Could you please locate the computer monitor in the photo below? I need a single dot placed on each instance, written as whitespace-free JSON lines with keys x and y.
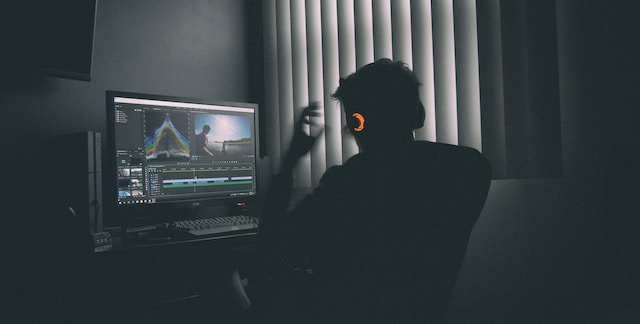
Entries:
{"x":169,"y":157}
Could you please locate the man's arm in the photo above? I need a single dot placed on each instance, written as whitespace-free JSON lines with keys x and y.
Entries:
{"x":278,"y":195}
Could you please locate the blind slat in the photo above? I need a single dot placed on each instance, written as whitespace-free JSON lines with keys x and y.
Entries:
{"x":382,"y":43}
{"x":491,"y":74}
{"x":467,"y":69}
{"x":329,"y":9}
{"x":271,"y":83}
{"x":444,"y":72}
{"x":364,"y":32}
{"x":300,"y":81}
{"x":401,"y":22}
{"x":347,"y":46}
{"x":422,"y":30}
{"x":316,"y":86}
{"x":285,"y":79}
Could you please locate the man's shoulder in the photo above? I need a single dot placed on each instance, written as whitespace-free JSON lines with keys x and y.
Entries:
{"x":443,"y":147}
{"x":417,"y":155}
{"x":456,"y":159}
{"x":333,"y":173}
{"x":448,"y":150}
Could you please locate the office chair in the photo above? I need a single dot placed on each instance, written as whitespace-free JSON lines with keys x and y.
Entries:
{"x":404,"y":269}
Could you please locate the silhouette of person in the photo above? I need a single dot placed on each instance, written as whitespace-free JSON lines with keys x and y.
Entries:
{"x":201,"y":142}
{"x":385,"y":233}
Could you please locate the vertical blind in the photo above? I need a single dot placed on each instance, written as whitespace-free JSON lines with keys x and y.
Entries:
{"x":310,"y":44}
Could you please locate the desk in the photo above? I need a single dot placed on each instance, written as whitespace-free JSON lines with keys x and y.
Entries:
{"x":57,"y":281}
{"x":138,"y":281}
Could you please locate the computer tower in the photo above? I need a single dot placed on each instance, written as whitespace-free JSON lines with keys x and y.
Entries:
{"x":73,"y":177}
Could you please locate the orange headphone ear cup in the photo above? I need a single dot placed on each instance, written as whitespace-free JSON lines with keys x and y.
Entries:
{"x":356,"y":122}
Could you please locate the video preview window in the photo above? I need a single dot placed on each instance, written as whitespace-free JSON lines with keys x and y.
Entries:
{"x":222,"y":136}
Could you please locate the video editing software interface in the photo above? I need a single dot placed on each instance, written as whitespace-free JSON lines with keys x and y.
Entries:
{"x":174,"y":151}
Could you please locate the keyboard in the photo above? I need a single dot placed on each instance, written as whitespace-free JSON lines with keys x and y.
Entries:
{"x":216,"y":225}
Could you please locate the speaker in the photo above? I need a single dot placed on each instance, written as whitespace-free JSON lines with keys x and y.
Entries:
{"x":72,"y":177}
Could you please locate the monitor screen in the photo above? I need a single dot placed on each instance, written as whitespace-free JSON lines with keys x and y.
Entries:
{"x":167,"y":151}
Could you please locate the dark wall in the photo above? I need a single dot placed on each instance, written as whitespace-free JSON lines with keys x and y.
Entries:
{"x":194,"y":48}
{"x":187,"y":48}
{"x":565,"y":250}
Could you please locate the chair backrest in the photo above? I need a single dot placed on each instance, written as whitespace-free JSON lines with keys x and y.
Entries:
{"x":414,"y":224}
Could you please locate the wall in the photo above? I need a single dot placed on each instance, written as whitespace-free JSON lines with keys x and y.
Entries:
{"x":188,"y":48}
{"x":546,"y":250}
{"x":194,"y":48}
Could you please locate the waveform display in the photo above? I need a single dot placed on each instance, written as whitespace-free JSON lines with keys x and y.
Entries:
{"x":206,"y":182}
{"x":166,"y":141}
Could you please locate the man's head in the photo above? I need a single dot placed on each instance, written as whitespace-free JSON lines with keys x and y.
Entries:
{"x":381,"y":101}
{"x":206,"y":129}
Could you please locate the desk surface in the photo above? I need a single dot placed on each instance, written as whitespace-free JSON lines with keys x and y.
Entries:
{"x":106,"y":241}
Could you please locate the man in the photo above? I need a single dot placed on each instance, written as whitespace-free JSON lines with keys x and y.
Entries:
{"x":384,"y":234}
{"x":201,"y":142}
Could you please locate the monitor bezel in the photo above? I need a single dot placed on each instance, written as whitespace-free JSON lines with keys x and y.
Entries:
{"x":116,"y":215}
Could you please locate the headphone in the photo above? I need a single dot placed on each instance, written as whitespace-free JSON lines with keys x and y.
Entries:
{"x":359,"y":122}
